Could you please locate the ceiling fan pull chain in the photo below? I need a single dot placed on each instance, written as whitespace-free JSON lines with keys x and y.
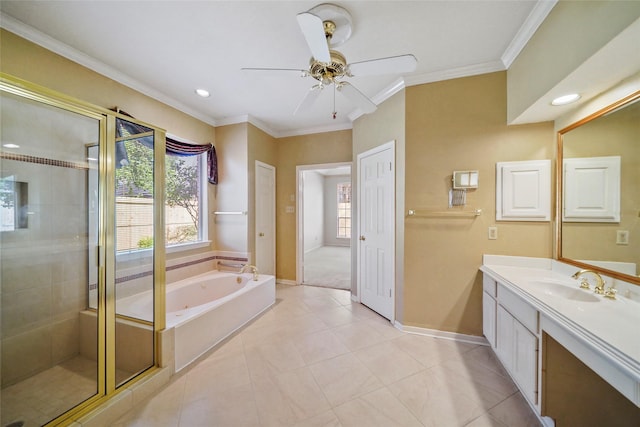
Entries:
{"x":335,"y":113}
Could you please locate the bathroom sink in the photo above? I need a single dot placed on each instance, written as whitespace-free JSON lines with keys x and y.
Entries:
{"x":559,"y":289}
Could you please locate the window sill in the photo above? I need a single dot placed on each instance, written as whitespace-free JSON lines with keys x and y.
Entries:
{"x":147,"y":253}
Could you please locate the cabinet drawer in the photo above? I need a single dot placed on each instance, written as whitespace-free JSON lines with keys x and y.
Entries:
{"x":489,"y":285}
{"x":518,"y":308}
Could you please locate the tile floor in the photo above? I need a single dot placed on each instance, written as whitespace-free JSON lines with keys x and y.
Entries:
{"x":48,"y":394}
{"x":317,"y":359}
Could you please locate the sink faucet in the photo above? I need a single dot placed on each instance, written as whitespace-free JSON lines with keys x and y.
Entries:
{"x":252,"y":268}
{"x":585,"y":285}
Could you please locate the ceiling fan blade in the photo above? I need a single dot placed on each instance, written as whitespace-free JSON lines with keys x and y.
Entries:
{"x":309,"y":99}
{"x":313,"y":31}
{"x":357,"y":97}
{"x":391,"y":65}
{"x":298,"y":70}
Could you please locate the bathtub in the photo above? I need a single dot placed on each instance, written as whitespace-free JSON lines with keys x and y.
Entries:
{"x":204,"y":309}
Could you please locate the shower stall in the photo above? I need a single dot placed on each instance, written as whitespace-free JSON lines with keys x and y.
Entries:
{"x":63,"y":346}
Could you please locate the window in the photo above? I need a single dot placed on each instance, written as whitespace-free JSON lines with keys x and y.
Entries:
{"x":344,"y":210}
{"x":184,"y":199}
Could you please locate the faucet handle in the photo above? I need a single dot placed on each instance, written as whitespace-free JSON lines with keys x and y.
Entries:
{"x":610,"y":293}
{"x":584,"y":283}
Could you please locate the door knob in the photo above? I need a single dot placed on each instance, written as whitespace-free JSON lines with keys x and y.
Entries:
{"x":362,"y":238}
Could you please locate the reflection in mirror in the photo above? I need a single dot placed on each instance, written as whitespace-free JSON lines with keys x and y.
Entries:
{"x":605,"y":233}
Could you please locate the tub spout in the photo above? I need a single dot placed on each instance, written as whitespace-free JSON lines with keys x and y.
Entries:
{"x":252,"y":268}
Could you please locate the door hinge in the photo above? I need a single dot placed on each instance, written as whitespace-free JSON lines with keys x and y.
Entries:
{"x":389,"y":293}
{"x":389,"y":166}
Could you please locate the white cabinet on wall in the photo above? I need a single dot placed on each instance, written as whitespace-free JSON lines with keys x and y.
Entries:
{"x":523,"y":191}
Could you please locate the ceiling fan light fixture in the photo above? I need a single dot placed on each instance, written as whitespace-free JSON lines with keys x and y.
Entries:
{"x":203,"y":93}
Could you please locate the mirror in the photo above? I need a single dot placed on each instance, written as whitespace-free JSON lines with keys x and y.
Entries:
{"x":605,"y":235}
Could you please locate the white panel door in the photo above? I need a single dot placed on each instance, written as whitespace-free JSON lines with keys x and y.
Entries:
{"x":376,"y":196}
{"x":265,"y":218}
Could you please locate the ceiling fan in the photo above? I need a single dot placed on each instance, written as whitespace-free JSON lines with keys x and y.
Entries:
{"x":326,"y":26}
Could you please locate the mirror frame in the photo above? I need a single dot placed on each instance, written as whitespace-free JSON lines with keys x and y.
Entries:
{"x":559,"y":189}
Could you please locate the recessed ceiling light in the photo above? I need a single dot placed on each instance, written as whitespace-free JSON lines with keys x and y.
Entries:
{"x":566,"y":99}
{"x":11,"y":146}
{"x":203,"y":93}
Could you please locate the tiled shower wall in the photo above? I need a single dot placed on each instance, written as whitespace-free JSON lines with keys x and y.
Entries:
{"x":43,"y":271}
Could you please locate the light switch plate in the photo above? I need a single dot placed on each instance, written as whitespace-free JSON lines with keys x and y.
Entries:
{"x":290,"y":209}
{"x":493,"y":233}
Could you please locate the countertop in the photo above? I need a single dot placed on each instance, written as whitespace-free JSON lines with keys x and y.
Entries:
{"x":611,"y":327}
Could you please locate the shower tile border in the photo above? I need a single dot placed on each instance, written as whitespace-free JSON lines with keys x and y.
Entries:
{"x":43,"y":161}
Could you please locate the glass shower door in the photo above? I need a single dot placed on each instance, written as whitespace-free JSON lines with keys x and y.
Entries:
{"x":48,"y":335}
{"x":135,"y":248}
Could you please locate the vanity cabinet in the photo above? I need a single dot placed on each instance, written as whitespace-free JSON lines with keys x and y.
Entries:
{"x":511,"y":326}
{"x":489,"y":310}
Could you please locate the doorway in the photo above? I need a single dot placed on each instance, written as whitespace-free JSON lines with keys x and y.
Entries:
{"x":324,"y":225}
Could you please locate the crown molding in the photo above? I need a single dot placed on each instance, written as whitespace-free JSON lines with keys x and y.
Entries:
{"x":318,"y":129}
{"x":454,"y":73}
{"x":380,"y":97}
{"x":29,"y":33}
{"x":527,"y":30}
{"x":247,"y":118}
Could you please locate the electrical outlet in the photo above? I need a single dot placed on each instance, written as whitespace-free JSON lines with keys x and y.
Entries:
{"x":622,"y":237}
{"x":292,"y":197}
{"x":493,"y":233}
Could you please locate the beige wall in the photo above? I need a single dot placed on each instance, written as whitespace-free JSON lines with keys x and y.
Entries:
{"x":232,"y":189}
{"x":329,"y":147}
{"x":572,"y":32}
{"x":461,"y":125}
{"x":386,"y":124}
{"x":261,"y":147}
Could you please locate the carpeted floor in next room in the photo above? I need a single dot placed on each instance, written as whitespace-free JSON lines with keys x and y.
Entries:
{"x":328,"y":267}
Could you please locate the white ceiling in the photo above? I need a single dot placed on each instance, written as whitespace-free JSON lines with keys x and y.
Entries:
{"x":167,"y":49}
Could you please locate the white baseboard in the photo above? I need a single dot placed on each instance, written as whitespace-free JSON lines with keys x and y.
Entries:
{"x":286,"y":282}
{"x":355,"y":298}
{"x":453,"y":336}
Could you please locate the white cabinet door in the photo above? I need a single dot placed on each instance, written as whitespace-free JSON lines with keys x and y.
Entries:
{"x":525,"y":361}
{"x":517,"y":348}
{"x":489,"y":318}
{"x":504,"y":337}
{"x":523,"y":191}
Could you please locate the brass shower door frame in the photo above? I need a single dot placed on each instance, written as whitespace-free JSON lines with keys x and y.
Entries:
{"x":106,"y":314}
